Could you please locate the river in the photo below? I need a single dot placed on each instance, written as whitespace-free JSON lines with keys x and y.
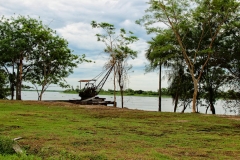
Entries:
{"x":131,"y":102}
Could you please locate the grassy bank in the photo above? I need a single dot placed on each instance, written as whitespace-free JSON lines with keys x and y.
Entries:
{"x":67,"y":131}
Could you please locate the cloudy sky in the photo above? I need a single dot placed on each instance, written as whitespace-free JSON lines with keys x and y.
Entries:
{"x":71,"y":19}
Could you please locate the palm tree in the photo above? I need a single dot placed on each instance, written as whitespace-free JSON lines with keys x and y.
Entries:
{"x":164,"y":51}
{"x":160,"y":53}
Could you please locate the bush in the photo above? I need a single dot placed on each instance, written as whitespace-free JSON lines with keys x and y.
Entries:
{"x":6,"y":146}
{"x":139,"y":91}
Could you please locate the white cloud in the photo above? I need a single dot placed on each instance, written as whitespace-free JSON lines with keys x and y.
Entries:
{"x":82,"y":36}
{"x":72,"y":20}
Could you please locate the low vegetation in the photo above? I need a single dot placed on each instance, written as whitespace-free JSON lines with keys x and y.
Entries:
{"x":6,"y":146}
{"x":69,"y":131}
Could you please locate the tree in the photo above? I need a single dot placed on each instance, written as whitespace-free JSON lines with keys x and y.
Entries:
{"x":180,"y":87}
{"x":228,"y":57}
{"x":17,"y":45}
{"x":53,"y":65}
{"x":7,"y":57}
{"x":160,"y":52}
{"x":35,"y":53}
{"x":122,"y":55}
{"x":185,"y":17}
{"x":213,"y":78}
{"x":118,"y":47}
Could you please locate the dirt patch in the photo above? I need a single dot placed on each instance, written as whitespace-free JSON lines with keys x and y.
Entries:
{"x":72,"y":105}
{"x":182,"y":121}
{"x":237,"y":118}
{"x":50,"y":103}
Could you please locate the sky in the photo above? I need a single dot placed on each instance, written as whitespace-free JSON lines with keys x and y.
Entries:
{"x":72,"y":21}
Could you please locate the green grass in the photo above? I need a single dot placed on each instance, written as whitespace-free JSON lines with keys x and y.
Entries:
{"x":67,"y":131}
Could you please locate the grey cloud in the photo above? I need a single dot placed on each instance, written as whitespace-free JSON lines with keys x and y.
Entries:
{"x":72,"y":18}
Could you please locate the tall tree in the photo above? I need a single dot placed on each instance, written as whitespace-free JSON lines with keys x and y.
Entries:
{"x":123,"y":53}
{"x":228,"y":57}
{"x":18,"y":42}
{"x":160,"y":53}
{"x":184,"y":17}
{"x":34,"y":52}
{"x":7,"y":54}
{"x":118,"y":47}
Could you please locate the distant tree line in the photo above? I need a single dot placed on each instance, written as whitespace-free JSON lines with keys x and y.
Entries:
{"x":127,"y":92}
{"x":140,"y":92}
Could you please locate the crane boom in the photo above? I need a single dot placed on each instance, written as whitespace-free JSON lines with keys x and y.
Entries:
{"x":90,"y":89}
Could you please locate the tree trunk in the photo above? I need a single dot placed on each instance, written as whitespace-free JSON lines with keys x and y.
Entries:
{"x":12,"y":82}
{"x":211,"y":94}
{"x":184,"y":108}
{"x":40,"y":96}
{"x":194,"y":101}
{"x":121,"y":90}
{"x":176,"y":102}
{"x":212,"y":108}
{"x":19,"y":80}
{"x":206,"y":109}
{"x":160,"y":89}
{"x":12,"y":91}
{"x":114,"y":84}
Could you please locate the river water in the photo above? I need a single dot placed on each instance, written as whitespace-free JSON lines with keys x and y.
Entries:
{"x":131,"y":102}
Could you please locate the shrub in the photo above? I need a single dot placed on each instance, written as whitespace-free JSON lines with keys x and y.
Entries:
{"x":6,"y":146}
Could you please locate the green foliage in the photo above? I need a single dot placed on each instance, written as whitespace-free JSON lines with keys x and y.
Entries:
{"x":4,"y":88}
{"x":162,"y":50}
{"x":129,"y":91}
{"x":6,"y":146}
{"x":35,"y":53}
{"x":18,"y":43}
{"x":72,"y":90}
{"x":54,"y":64}
{"x":139,"y":91}
{"x":117,"y":43}
{"x":200,"y":34}
{"x":231,"y":94}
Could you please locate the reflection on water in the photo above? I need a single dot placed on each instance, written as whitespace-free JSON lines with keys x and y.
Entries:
{"x":131,"y":102}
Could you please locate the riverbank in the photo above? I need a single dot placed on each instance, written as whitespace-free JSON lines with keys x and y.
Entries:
{"x":131,"y":102}
{"x":68,"y":131}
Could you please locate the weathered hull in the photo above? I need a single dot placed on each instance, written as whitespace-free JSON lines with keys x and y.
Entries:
{"x":90,"y":101}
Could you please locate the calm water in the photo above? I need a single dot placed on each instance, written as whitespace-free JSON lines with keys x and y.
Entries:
{"x":131,"y":102}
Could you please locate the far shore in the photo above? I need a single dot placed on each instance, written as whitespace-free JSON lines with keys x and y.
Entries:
{"x":104,"y":93}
